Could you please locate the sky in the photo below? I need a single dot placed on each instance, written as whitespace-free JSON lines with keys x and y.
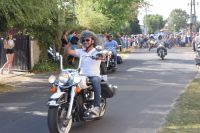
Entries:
{"x":164,"y":8}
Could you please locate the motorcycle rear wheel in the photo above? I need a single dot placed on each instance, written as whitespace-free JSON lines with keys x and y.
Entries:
{"x":57,"y":122}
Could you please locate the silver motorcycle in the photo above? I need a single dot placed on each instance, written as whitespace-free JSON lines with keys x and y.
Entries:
{"x":72,"y":98}
{"x":161,"y":51}
{"x":108,"y":64}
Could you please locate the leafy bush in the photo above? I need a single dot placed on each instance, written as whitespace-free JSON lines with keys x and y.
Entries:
{"x":46,"y":66}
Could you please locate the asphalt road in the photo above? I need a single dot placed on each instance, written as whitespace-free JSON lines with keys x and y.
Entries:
{"x":147,"y":90}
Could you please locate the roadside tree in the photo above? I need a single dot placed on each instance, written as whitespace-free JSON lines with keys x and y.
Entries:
{"x":153,"y":22}
{"x":177,"y":20}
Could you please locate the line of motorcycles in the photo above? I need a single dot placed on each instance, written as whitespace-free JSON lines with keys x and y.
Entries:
{"x":72,"y":95}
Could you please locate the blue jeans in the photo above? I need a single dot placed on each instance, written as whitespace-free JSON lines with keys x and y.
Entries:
{"x":96,"y":83}
{"x":115,"y":57}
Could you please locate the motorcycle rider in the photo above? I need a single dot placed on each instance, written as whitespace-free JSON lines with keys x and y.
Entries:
{"x":159,"y":43}
{"x":88,"y":66}
{"x":151,"y":42}
{"x":112,"y":45}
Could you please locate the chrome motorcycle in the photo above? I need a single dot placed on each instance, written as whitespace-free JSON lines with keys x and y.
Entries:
{"x":108,"y":63}
{"x":72,"y":98}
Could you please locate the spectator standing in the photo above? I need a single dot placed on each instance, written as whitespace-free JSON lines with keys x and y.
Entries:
{"x":71,"y":58}
{"x":119,"y":41}
{"x":64,"y":41}
{"x":9,"y":46}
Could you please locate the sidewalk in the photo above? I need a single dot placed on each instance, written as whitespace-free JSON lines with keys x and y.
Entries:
{"x":16,"y":77}
{"x":20,"y":78}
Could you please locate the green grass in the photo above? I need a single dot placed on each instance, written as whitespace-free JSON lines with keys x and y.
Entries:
{"x":185,"y":117}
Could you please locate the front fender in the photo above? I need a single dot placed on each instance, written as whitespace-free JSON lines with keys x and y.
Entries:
{"x":54,"y":98}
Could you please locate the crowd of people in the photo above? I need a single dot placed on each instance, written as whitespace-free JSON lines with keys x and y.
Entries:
{"x":144,"y":41}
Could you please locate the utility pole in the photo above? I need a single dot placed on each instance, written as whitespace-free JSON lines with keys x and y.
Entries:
{"x":146,"y":29}
{"x":193,"y":17}
{"x":191,"y":22}
{"x":146,"y":8}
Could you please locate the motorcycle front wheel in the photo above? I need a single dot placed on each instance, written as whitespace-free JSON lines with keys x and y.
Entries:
{"x":162,"y":56}
{"x":57,"y":121}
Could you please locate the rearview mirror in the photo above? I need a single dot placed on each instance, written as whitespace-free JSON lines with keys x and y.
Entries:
{"x":99,"y":48}
{"x":52,"y":54}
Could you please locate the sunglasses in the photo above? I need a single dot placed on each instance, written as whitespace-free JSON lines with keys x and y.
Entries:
{"x":85,"y":40}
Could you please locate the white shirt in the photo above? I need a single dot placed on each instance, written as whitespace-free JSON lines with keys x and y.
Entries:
{"x":88,"y":66}
{"x":11,"y":43}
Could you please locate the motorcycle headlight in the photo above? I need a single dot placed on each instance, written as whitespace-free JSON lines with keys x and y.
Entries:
{"x":77,"y":79}
{"x":63,"y":77}
{"x":152,"y":42}
{"x":52,"y":79}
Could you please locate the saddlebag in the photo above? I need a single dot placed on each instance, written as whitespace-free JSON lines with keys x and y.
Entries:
{"x":107,"y":90}
{"x":119,"y":60}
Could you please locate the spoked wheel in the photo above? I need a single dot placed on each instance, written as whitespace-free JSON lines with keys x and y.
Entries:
{"x":57,"y":121}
